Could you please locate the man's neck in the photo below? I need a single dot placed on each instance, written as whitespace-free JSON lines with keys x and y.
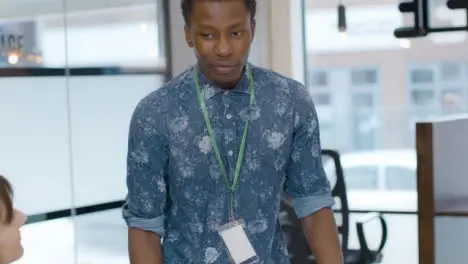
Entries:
{"x":221,"y":85}
{"x":227,"y":86}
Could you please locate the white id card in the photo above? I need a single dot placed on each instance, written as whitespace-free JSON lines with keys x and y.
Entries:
{"x":238,"y":244}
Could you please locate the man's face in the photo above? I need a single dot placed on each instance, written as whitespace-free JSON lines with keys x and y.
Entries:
{"x":221,"y":33}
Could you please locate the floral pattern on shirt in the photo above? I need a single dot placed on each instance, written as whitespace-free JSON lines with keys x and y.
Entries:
{"x":175,"y":185}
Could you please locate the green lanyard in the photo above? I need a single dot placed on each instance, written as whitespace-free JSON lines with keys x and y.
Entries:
{"x":231,"y":187}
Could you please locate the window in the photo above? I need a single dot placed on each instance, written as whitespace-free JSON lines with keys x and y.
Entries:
{"x":321,"y":98}
{"x":348,"y":105}
{"x":319,"y":78}
{"x":442,"y":93}
{"x":451,"y":100}
{"x":83,"y":72}
{"x":122,"y":36}
{"x":361,"y":178}
{"x":450,"y":71}
{"x":17,"y":44}
{"x":378,"y":84}
{"x":422,"y":97}
{"x":363,"y":100}
{"x":438,"y":2}
{"x":422,"y":76}
{"x":400,"y":178}
{"x":327,"y":134}
{"x":364,"y":128}
{"x":363,"y":77}
{"x":363,"y":93}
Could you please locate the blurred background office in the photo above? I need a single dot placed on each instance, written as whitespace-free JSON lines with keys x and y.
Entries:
{"x":71,"y":72}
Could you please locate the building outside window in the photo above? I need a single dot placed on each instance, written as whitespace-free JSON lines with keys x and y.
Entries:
{"x":436,"y":88}
{"x":346,"y":99}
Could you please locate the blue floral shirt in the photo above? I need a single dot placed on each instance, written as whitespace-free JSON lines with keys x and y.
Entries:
{"x":175,"y":185}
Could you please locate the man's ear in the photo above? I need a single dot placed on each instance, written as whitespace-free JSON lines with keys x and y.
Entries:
{"x":188,"y":36}
{"x":253,"y":25}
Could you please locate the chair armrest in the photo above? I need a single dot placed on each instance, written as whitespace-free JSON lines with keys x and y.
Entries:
{"x":360,"y":231}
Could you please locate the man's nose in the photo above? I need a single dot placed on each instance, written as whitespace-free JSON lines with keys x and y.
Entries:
{"x":223,"y":47}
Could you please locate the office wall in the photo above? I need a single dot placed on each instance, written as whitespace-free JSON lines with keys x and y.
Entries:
{"x":65,"y":135}
{"x":35,"y":151}
{"x":66,"y":100}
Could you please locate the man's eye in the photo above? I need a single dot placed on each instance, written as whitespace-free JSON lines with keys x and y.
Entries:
{"x":237,"y":34}
{"x":207,"y":36}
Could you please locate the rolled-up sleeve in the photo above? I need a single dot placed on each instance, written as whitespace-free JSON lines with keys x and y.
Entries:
{"x":147,"y":157}
{"x":306,"y":183}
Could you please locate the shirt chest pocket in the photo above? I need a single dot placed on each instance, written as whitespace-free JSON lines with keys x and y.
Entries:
{"x":271,"y":143}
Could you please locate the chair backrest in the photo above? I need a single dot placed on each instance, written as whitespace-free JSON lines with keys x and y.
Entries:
{"x":296,"y":242}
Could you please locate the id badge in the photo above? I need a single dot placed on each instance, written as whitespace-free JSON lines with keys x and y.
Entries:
{"x":238,"y":244}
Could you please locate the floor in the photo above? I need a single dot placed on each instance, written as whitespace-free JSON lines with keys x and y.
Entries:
{"x":102,"y":238}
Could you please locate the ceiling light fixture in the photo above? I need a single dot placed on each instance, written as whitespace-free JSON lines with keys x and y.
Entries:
{"x":341,"y":17}
{"x":421,"y":27}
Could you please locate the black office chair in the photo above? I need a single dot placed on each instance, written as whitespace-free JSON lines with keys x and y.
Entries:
{"x":297,"y":244}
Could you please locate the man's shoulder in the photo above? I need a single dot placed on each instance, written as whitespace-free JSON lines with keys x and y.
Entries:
{"x":159,"y":100}
{"x":276,"y":80}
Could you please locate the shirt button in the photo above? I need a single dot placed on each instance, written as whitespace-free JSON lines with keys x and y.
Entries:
{"x":230,"y":153}
{"x":228,"y":116}
{"x":226,"y":92}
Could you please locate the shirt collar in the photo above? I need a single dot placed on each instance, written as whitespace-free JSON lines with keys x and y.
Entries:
{"x":209,"y":89}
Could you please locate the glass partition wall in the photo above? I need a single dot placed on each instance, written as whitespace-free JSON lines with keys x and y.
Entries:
{"x":369,"y":89}
{"x":71,"y":73}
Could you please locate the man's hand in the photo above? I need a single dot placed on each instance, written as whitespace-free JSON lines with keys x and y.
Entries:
{"x":322,"y":236}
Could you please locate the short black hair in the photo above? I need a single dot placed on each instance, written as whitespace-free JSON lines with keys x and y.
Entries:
{"x":187,"y":7}
{"x":6,"y":203}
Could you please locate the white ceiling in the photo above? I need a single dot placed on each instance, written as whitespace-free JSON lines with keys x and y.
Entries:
{"x":24,"y":9}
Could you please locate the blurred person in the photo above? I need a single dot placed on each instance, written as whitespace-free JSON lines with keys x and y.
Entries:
{"x":11,"y":220}
{"x":211,"y":151}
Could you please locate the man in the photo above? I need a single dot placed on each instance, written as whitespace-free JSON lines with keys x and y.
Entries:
{"x":210,"y":152}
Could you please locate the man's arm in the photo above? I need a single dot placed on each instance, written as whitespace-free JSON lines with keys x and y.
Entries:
{"x":307,"y":185}
{"x":144,"y":247}
{"x":143,"y":210}
{"x":322,"y":236}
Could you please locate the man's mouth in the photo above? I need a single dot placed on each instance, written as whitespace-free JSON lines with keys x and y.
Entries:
{"x":224,"y":68}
